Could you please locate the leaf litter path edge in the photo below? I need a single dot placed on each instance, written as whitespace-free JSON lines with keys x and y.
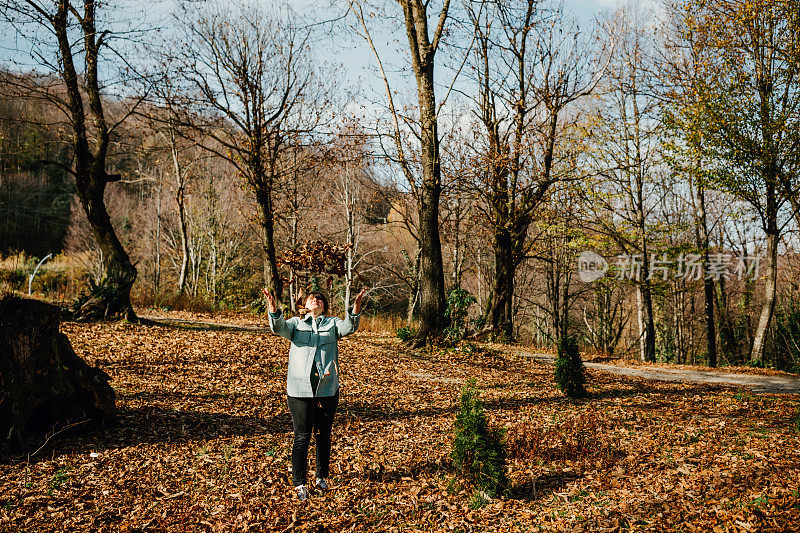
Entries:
{"x":755,"y":383}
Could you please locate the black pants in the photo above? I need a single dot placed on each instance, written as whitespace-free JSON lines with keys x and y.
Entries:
{"x":311,"y":414}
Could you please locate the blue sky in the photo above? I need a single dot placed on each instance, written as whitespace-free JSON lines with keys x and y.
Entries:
{"x":352,"y":54}
{"x":347,"y":53}
{"x":356,"y":64}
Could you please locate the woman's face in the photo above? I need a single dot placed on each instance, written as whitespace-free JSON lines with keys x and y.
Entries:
{"x":313,"y":303}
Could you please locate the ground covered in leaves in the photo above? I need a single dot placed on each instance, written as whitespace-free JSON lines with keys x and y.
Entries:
{"x":203,"y":438}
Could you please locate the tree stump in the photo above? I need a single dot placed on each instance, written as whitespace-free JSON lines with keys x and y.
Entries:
{"x":44,"y":385}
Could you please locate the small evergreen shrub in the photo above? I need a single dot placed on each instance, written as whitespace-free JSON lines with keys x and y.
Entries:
{"x":478,"y":501}
{"x":569,"y":374}
{"x":479,"y":454}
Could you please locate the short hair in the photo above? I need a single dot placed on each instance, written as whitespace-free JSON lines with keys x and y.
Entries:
{"x":319,"y":296}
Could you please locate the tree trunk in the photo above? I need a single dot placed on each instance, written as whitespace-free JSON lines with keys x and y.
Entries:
{"x":647,"y":328}
{"x":348,"y":278}
{"x":213,"y":255}
{"x":431,"y":281}
{"x":727,"y":334}
{"x":503,"y":290}
{"x":458,"y":244}
{"x":413,"y":288}
{"x":157,"y":273}
{"x":112,"y":297}
{"x":771,"y":274}
{"x":708,"y":284}
{"x":413,"y":296}
{"x":479,"y":267}
{"x":45,"y":385}
{"x":272,"y":276}
{"x":352,"y":235}
{"x":770,"y":293}
{"x":711,"y":333}
{"x":554,"y":295}
{"x":650,"y":329}
{"x":293,"y":289}
{"x":692,"y":342}
{"x":564,"y":325}
{"x":647,"y":333}
{"x":180,"y":195}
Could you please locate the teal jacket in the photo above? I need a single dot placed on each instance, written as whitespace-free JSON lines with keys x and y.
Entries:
{"x":313,"y":346}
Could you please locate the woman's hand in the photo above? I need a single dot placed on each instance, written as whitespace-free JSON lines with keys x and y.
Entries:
{"x":357,"y":301}
{"x":273,"y":308}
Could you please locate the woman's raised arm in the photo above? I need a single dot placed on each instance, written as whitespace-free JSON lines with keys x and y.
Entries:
{"x":277,"y":324}
{"x":350,"y":323}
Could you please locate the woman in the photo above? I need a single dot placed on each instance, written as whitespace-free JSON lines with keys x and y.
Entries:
{"x":312,"y":382}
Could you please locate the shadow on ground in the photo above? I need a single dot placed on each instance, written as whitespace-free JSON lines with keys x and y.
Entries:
{"x":397,"y":475}
{"x":193,"y":325}
{"x":150,"y":425}
{"x":542,"y":486}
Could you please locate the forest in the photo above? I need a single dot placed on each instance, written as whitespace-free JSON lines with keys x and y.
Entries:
{"x":663,"y":141}
{"x":642,"y":140}
{"x":514,"y":183}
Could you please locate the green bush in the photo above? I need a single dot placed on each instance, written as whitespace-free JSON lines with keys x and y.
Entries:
{"x":406,"y":333}
{"x":479,"y":454}
{"x":569,"y":375}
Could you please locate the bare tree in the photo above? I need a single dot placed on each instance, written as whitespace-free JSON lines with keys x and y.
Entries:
{"x":62,"y":34}
{"x":530,"y":66}
{"x":179,"y":173}
{"x":247,"y":82}
{"x":351,"y":184}
{"x":628,"y":156}
{"x":426,"y":180}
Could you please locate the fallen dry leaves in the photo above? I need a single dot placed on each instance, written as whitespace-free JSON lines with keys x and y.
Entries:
{"x":203,"y":439}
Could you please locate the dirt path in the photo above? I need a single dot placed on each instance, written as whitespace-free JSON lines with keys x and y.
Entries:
{"x":756,"y":383}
